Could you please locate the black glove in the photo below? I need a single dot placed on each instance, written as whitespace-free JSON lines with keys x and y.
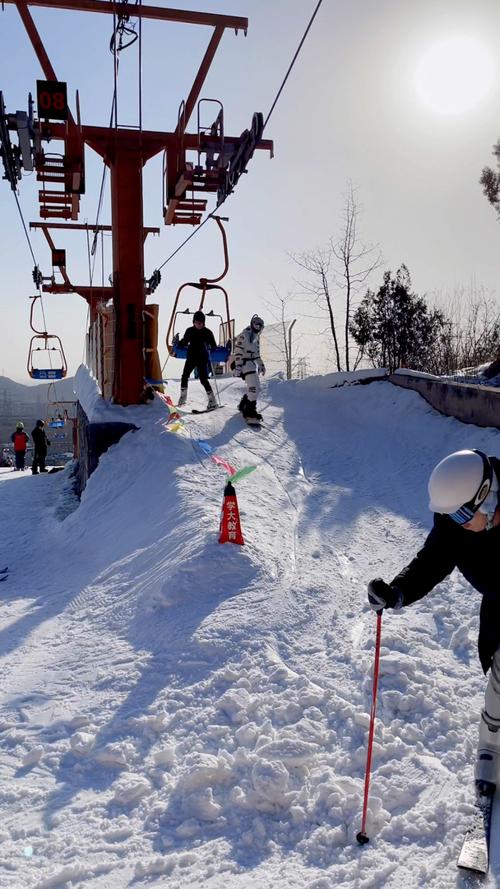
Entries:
{"x":381,"y":595}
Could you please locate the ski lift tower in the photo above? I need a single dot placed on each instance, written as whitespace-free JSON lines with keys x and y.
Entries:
{"x":220,"y":161}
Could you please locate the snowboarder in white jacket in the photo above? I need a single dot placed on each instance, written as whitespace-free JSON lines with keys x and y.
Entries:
{"x":248,"y":364}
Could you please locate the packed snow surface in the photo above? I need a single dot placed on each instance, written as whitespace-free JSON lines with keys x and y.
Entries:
{"x":177,"y":713}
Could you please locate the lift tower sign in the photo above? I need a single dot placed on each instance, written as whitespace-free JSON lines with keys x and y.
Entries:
{"x":52,"y":99}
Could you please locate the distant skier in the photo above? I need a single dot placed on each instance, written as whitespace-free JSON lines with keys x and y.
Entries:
{"x":464,"y":496}
{"x":40,"y":442}
{"x":247,"y":363}
{"x":199,"y":342}
{"x":20,"y":440}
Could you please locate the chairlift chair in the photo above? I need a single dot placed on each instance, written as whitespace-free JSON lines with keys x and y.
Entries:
{"x":223,"y":350}
{"x":57,"y":414}
{"x":53,"y":353}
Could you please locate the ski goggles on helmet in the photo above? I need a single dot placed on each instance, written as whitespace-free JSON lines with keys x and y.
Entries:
{"x":467,"y":512}
{"x":257,"y":323}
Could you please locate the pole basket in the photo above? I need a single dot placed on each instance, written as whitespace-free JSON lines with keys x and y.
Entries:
{"x":230,"y":528}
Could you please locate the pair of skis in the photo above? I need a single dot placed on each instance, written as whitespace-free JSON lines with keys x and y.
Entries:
{"x":207,"y":410}
{"x":250,"y":421}
{"x":4,"y":573}
{"x":474,"y":855}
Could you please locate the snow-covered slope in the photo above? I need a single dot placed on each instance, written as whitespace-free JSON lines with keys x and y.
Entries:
{"x":179,"y":713}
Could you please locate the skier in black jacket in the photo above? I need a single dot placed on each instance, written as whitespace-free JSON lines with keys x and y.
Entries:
{"x":464,"y":496}
{"x":199,"y":341}
{"x":40,"y":442}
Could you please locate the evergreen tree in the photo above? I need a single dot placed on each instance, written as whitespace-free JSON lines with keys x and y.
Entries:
{"x":394,"y":327}
{"x":490,"y":180}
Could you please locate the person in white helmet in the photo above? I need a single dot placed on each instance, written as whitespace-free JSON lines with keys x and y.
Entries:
{"x":248,"y":364}
{"x":464,"y":497}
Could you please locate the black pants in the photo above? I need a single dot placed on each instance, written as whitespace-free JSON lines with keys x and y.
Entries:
{"x":19,"y":459}
{"x":201,"y":365}
{"x":39,"y":462}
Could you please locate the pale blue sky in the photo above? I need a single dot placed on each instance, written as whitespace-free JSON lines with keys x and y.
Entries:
{"x":349,"y":111}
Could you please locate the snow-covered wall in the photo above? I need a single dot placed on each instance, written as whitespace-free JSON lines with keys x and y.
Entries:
{"x":102,"y":424}
{"x":469,"y":403}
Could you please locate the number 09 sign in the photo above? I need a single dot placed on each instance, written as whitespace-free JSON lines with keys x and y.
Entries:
{"x":52,"y":100}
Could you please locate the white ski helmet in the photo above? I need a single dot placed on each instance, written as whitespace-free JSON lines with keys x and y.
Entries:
{"x":459,"y":484}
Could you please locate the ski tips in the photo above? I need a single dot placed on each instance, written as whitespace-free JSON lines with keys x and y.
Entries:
{"x":362,"y":838}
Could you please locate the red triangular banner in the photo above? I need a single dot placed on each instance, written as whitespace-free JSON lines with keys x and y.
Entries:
{"x":173,"y":415}
{"x":230,"y":528}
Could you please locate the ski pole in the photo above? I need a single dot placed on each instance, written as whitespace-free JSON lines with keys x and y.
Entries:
{"x":214,"y":379}
{"x":212,"y":370}
{"x":361,"y":837}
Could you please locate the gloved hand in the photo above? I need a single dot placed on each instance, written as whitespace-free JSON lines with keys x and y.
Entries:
{"x":262,"y":368}
{"x":237,"y":370}
{"x":381,"y":595}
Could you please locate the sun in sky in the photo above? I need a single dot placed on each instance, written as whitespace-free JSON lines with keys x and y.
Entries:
{"x":454,"y":75}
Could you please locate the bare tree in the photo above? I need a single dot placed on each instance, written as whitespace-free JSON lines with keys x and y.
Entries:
{"x":338,"y":272}
{"x":471,"y":335}
{"x":281,"y":309}
{"x":317,"y":265}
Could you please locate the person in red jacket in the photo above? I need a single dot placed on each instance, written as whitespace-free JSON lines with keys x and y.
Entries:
{"x":20,"y":440}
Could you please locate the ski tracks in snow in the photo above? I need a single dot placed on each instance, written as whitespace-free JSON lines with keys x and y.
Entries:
{"x":179,"y":712}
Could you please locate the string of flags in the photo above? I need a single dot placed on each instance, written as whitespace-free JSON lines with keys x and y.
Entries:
{"x":230,"y":525}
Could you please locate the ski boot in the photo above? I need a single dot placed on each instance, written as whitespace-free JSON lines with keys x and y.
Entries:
{"x":243,"y":402}
{"x":488,"y":758}
{"x":211,"y":403}
{"x":250,"y":411}
{"x":485,"y":773}
{"x":182,"y":397}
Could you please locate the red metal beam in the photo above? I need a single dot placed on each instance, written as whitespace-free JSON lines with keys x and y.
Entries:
{"x":128,"y":275}
{"x":200,"y":79}
{"x":90,"y":294}
{"x":22,"y":8}
{"x":52,"y":246}
{"x":142,"y":11}
{"x":151,"y":140}
{"x":70,"y":226}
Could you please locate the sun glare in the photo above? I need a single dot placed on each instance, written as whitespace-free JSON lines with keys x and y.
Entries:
{"x":454,"y":75}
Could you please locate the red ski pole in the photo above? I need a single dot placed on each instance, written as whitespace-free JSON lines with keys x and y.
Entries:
{"x":361,"y":837}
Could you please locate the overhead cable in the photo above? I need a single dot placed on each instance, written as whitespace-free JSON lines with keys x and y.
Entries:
{"x":278,"y":94}
{"x":292,"y":63}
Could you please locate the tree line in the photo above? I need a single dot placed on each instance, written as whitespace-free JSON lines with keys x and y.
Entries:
{"x":392,"y":326}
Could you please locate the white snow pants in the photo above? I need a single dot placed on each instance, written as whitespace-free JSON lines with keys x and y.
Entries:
{"x":251,"y":379}
{"x":488,"y":749}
